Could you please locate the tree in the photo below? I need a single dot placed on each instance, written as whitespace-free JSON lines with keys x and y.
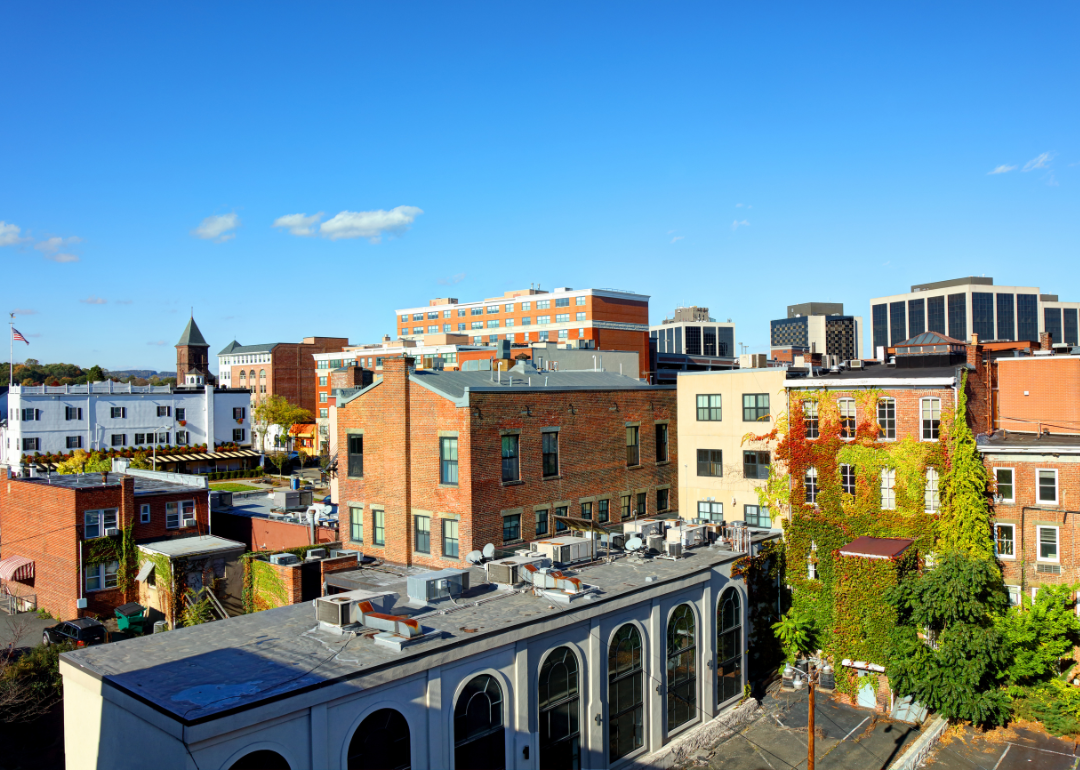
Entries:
{"x":1040,"y":634}
{"x":277,"y":411}
{"x":947,"y":651}
{"x":139,"y":461}
{"x":795,"y":630}
{"x":95,"y":374}
{"x":30,"y":684}
{"x":964,"y":524}
{"x":81,"y":462}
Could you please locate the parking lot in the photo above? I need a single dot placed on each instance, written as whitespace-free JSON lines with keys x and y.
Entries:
{"x":1014,"y":748}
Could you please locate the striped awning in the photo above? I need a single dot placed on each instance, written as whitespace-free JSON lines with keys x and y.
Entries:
{"x":16,"y":568}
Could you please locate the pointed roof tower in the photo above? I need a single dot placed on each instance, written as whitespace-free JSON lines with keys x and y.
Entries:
{"x":192,"y":336}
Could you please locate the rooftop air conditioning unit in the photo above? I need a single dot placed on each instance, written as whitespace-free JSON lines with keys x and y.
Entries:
{"x":642,"y":528}
{"x":655,"y":542}
{"x":112,"y":532}
{"x":510,"y":571}
{"x":336,"y":553}
{"x":341,"y":609}
{"x":673,"y":549}
{"x":315,"y":554}
{"x":432,"y":586}
{"x":855,"y":363}
{"x":566,"y":550}
{"x":284,"y":559}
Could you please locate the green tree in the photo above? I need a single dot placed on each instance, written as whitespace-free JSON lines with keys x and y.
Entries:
{"x":95,"y":374}
{"x":947,"y":651}
{"x":82,"y":462}
{"x":796,"y":634}
{"x":1040,"y":634}
{"x":964,"y":524}
{"x":277,"y":411}
{"x":140,"y":462}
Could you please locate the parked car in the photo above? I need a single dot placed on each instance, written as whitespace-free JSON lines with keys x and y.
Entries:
{"x":82,"y":633}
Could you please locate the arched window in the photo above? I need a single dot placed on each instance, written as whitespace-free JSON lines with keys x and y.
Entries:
{"x":625,"y":693}
{"x":264,"y":759}
{"x":262,"y":374}
{"x":478,"y":726}
{"x":729,"y":646}
{"x":681,"y":667}
{"x":242,"y":375}
{"x":560,"y":732}
{"x":381,"y":742}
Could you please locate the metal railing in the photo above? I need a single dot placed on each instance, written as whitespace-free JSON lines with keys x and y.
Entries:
{"x":14,"y":603}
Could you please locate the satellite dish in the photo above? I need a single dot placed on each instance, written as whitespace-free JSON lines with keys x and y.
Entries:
{"x":474,"y":557}
{"x":634,"y":544}
{"x":489,"y":551}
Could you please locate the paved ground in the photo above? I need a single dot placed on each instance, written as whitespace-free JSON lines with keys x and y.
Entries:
{"x":28,"y":623}
{"x":847,"y":738}
{"x":1010,"y":749}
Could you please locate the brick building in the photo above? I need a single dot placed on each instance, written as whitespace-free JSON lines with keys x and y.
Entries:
{"x":284,"y":368}
{"x":435,"y":464}
{"x":591,"y":318}
{"x":63,"y":536}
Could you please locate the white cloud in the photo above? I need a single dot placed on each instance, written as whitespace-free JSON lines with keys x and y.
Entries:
{"x":62,"y":258}
{"x":216,"y":228}
{"x":56,"y":243}
{"x":10,"y":234}
{"x":455,"y":278}
{"x":92,"y":300}
{"x":299,"y":224}
{"x":1039,"y":161}
{"x":369,"y":224}
{"x":24,"y":311}
{"x":735,"y":225}
{"x":677,"y":238}
{"x":1001,"y":170}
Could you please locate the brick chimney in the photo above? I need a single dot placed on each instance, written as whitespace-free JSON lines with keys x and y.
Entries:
{"x":395,"y":488}
{"x":1046,"y":341}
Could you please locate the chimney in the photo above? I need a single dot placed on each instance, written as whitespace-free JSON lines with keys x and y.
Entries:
{"x":1046,"y":341}
{"x":974,"y":338}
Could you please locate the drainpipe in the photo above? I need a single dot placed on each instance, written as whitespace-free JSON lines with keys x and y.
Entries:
{"x":82,"y":579}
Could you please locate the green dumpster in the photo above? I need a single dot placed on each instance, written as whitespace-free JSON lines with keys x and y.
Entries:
{"x":130,"y":617}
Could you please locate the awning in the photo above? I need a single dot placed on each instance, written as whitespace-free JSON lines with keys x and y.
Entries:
{"x":16,"y":568}
{"x":144,"y":572}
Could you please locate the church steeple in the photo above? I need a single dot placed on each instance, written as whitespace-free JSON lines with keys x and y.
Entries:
{"x":192,"y":354}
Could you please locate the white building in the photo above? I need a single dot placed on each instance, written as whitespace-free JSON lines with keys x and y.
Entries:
{"x":112,"y":415}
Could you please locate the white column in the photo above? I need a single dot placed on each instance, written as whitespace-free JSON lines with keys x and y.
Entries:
{"x":525,"y":737}
{"x":707,"y":646}
{"x":320,"y":754}
{"x":654,"y":702}
{"x":593,"y":733}
{"x":438,"y":749}
{"x":209,"y":407}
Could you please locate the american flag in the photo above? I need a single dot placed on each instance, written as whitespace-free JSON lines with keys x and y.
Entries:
{"x":17,"y":335}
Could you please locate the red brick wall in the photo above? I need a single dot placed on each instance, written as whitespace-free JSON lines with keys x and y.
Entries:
{"x":1052,"y":385}
{"x":401,"y":459}
{"x":271,"y":535}
{"x":156,"y":529}
{"x":340,"y":564}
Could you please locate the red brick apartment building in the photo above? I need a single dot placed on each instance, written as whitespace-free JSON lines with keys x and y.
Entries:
{"x":595,"y":318}
{"x":435,"y":464}
{"x":284,"y":368}
{"x":62,"y":534}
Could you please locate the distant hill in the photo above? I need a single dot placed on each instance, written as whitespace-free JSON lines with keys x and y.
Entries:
{"x":144,"y":374}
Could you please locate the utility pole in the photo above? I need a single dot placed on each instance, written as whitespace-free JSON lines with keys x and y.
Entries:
{"x":810,"y":722}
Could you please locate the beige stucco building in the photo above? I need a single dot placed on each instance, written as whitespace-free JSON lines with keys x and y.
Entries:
{"x":720,"y":474}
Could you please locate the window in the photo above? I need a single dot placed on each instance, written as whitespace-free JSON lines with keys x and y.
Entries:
{"x":511,"y":527}
{"x":418,"y":330}
{"x":238,"y":435}
{"x":526,"y":321}
{"x":1004,"y":479}
{"x":510,"y":465}
{"x":492,"y":309}
{"x":34,"y":444}
{"x":461,"y":327}
{"x":729,"y":646}
{"x":356,"y":524}
{"x":847,"y":479}
{"x":810,"y":485}
{"x":180,"y":514}
{"x":493,"y":323}
{"x":423,"y":533}
{"x":886,"y":417}
{"x":322,"y":382}
{"x":72,"y":413}
{"x":559,"y":707}
{"x":561,"y":512}
{"x":602,"y":513}
{"x":181,"y":413}
{"x":479,"y":739}
{"x":541,"y":522}
{"x":381,"y":740}
{"x":755,"y":406}
{"x":847,"y":417}
{"x":508,"y":322}
{"x":633,"y":456}
{"x":96,"y":522}
{"x":710,"y":511}
{"x":755,"y":465}
{"x":324,"y":412}
{"x":662,"y":499}
{"x":164,"y":411}
{"x":625,"y":506}
{"x":562,"y":318}
{"x":117,"y":412}
{"x":356,"y":456}
{"x":476,"y":325}
{"x":579,"y":300}
{"x":118,"y":439}
{"x":379,"y":516}
{"x":579,"y":316}
{"x":31,"y":414}
{"x":542,"y":320}
{"x":562,"y":302}
{"x":101,"y":577}
{"x":626,"y":693}
{"x":526,"y":306}
{"x":74,"y":442}
{"x":681,"y":667}
{"x":1048,"y":543}
{"x":448,"y":460}
{"x":757,"y":516}
{"x":708,"y":408}
{"x":642,"y":501}
{"x":1048,"y":485}
{"x":661,"y":442}
{"x":931,"y":418}
{"x":450,"y":538}
{"x":1014,"y":595}
{"x":1005,"y":541}
{"x":810,"y":418}
{"x":418,"y":316}
{"x":710,"y":462}
{"x":541,"y":336}
{"x":933,"y":502}
{"x":239,"y":412}
{"x":564,"y":334}
{"x":550,"y":451}
{"x":322,"y":397}
{"x":888,"y":489}
{"x":543,"y":304}
{"x":144,"y":513}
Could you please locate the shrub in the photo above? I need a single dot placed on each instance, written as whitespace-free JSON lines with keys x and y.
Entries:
{"x":1055,"y":703}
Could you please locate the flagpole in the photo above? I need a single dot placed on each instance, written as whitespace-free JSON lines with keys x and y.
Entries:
{"x":11,"y":352}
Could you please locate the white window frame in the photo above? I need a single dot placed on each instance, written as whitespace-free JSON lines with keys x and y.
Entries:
{"x":811,"y":473}
{"x":1013,"y":484}
{"x":99,"y":517}
{"x":932,"y":503}
{"x":1038,"y":544}
{"x":877,"y":416}
{"x":144,"y":513}
{"x":997,"y":537}
{"x":1018,"y":592}
{"x":1038,"y":487}
{"x":187,"y":513}
{"x":922,"y":419}
{"x":888,"y":484}
{"x":100,"y":573}
{"x":172,"y":513}
{"x":841,"y":405}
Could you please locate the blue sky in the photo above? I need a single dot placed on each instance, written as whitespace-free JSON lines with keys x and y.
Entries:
{"x":740,"y":157}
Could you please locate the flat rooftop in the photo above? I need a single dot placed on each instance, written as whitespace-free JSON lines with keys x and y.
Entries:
{"x":873,"y":372}
{"x":180,"y":547}
{"x":196,"y":674}
{"x":143,"y":486}
{"x":1001,"y":440}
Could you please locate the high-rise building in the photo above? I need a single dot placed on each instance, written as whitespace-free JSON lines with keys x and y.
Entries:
{"x":819,"y":327}
{"x":690,"y":341}
{"x":961,"y":307}
{"x":608,"y":319}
